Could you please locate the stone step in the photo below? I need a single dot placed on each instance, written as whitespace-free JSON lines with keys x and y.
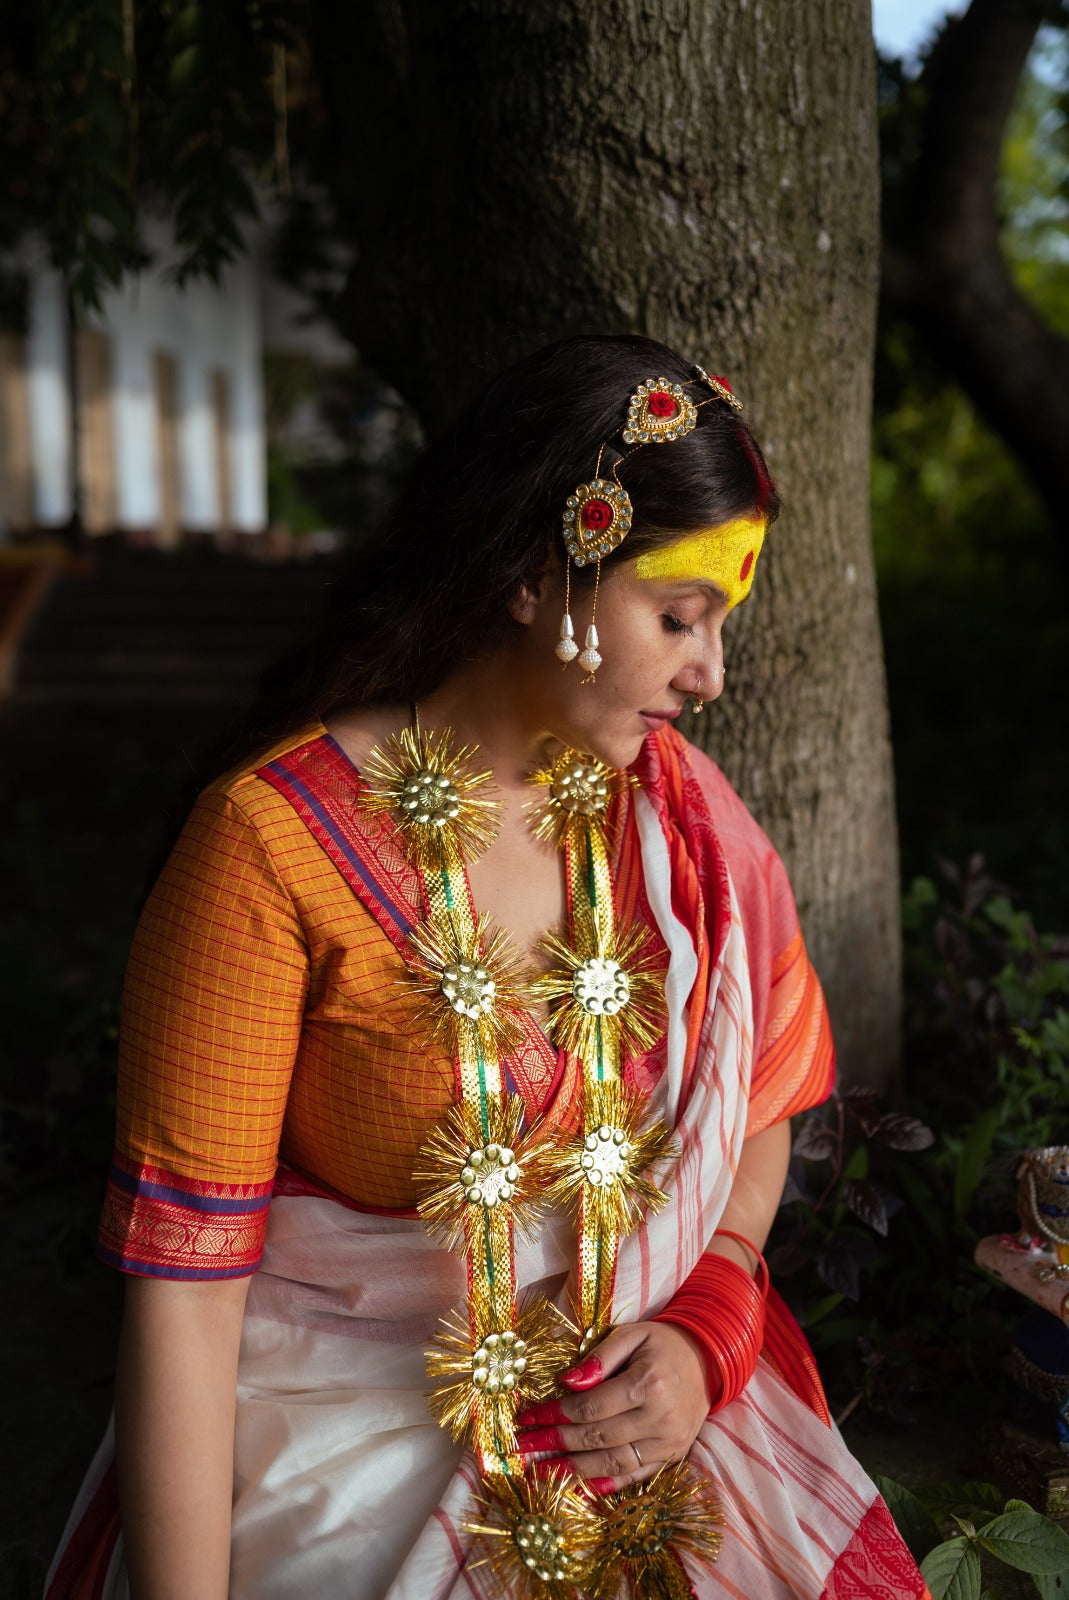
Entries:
{"x":163,"y":634}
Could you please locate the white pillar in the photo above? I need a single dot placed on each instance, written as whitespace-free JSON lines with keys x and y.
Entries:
{"x":137,"y":491}
{"x":248,"y":449}
{"x":196,"y":437}
{"x":48,"y":397}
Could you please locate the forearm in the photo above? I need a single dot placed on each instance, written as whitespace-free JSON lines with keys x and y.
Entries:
{"x":174,"y":1420}
{"x":720,"y":1309}
{"x":755,"y":1194}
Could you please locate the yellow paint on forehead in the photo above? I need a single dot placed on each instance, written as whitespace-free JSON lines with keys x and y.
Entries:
{"x":725,"y":556}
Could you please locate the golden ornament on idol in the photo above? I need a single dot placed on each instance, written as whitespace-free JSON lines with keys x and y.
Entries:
{"x":481,"y":1169}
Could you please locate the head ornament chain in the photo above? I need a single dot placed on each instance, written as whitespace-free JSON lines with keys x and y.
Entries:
{"x":598,"y":514}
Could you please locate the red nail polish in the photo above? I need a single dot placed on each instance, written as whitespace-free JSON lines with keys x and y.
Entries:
{"x":584,"y":1376}
{"x":542,"y":1439}
{"x":601,"y":1485}
{"x":539,"y":1416}
{"x":559,"y":1467}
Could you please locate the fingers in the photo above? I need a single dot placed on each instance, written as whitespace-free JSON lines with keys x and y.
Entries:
{"x":622,"y":1447}
{"x":636,"y":1403}
{"x":607,"y":1470}
{"x":540,"y":1415}
{"x":603,"y":1419}
{"x":614,"y":1351}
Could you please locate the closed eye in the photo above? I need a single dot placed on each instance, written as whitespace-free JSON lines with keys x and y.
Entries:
{"x":675,"y":624}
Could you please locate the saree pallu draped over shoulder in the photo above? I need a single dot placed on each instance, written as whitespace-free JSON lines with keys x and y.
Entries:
{"x":344,"y":1486}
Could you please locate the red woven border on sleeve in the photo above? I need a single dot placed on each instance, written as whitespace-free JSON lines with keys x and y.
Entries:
{"x":157,"y":1225}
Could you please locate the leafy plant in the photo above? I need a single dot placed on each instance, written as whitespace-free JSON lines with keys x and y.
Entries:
{"x":987,"y":1532}
{"x":844,"y":1139}
{"x":989,"y":1011}
{"x":893,"y":1306}
{"x":832,"y":1248}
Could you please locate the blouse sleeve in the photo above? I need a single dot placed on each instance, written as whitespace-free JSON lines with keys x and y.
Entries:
{"x":794,"y":1056}
{"x":212,"y":1013}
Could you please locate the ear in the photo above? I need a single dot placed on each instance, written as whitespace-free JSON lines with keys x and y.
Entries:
{"x":536,"y":589}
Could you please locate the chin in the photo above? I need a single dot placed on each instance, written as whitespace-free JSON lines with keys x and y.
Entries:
{"x":618,"y":750}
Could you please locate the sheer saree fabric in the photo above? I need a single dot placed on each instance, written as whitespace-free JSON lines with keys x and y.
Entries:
{"x":343,"y":1485}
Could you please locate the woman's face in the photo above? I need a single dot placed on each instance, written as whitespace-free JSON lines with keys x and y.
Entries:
{"x":660,"y":641}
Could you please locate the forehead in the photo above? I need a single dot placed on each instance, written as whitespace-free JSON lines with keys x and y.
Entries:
{"x":721,"y":557}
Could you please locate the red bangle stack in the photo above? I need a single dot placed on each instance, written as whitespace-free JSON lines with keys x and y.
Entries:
{"x":723,"y":1308}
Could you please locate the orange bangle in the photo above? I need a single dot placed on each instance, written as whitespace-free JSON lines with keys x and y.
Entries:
{"x":761,"y":1270}
{"x":722,"y":1307}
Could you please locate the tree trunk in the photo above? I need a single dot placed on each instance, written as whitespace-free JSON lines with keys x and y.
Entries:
{"x":705,"y":173}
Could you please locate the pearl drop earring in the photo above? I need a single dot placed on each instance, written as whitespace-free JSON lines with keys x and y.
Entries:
{"x":590,"y":660}
{"x":567,"y":649}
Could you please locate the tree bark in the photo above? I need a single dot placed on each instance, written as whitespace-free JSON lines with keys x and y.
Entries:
{"x":943,"y":263}
{"x":705,"y":173}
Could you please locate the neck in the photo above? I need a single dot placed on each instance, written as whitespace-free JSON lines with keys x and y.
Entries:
{"x":487,"y":703}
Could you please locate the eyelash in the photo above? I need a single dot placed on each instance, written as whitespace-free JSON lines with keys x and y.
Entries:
{"x":675,"y":625}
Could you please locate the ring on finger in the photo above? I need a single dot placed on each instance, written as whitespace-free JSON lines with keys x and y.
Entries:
{"x":638,"y":1458}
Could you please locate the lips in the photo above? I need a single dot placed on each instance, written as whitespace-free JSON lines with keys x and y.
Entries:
{"x":655,"y":720}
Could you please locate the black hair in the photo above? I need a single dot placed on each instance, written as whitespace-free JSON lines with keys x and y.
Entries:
{"x":483,"y":512}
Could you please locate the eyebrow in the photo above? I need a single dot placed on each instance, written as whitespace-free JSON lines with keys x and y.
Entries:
{"x":713,"y":591}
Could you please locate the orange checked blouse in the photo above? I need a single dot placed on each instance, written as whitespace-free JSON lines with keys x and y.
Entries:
{"x":270,"y":1036}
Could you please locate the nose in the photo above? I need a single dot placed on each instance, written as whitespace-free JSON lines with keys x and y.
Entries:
{"x":703,"y":676}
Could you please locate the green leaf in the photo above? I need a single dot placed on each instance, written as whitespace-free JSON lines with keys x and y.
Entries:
{"x":858,"y":1164}
{"x":1051,"y":1585}
{"x":918,"y":897}
{"x":952,"y":1570}
{"x":973,"y":1157}
{"x":912,"y":1518}
{"x":821,"y":1309}
{"x":1028,"y":1541}
{"x":974,"y":1497}
{"x":999,"y":910}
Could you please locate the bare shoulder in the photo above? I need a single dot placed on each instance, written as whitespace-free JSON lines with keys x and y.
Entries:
{"x":359,"y":729}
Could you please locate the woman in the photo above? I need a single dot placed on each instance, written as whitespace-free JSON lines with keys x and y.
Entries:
{"x":335,"y":1075}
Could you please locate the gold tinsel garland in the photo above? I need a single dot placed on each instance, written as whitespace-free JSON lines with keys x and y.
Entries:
{"x":605,"y":1168}
{"x":605,"y":994}
{"x":472,"y":982}
{"x":645,"y":1531}
{"x":477,"y":1159}
{"x":479,"y":1174}
{"x":538,"y":1534}
{"x":485,"y":1372}
{"x":433,"y":795}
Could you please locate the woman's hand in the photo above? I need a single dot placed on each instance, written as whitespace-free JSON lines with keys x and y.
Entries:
{"x":639,"y":1401}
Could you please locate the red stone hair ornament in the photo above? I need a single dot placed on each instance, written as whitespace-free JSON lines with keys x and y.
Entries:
{"x":597,"y":516}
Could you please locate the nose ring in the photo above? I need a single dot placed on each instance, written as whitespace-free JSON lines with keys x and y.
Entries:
{"x":697,"y":703}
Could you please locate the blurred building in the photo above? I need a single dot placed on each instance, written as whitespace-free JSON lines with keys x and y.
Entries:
{"x":166,"y":435}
